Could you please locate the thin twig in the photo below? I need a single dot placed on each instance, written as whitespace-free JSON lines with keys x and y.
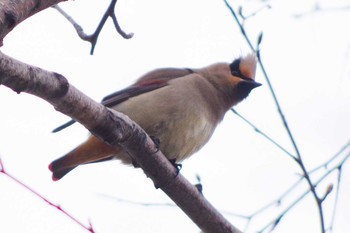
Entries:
{"x":336,"y":199}
{"x":319,"y":9}
{"x":263,"y":134}
{"x":280,"y":216}
{"x":2,"y":170}
{"x":93,"y":37}
{"x":119,"y":29}
{"x":299,"y":159}
{"x":335,"y":156}
{"x":123,"y":200}
{"x":266,"y":77}
{"x":245,"y":17}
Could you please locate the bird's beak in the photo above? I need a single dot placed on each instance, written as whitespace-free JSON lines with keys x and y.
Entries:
{"x":249,"y":84}
{"x":244,"y":87}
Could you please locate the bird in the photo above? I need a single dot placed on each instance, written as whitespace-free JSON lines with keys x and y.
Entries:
{"x":180,"y":107}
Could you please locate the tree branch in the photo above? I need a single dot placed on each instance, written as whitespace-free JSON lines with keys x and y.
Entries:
{"x":58,"y":207}
{"x":93,"y":37}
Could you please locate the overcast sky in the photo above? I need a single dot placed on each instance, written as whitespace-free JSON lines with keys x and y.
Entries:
{"x":306,"y":57}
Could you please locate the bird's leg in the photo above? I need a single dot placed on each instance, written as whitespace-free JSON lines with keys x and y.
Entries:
{"x":156,"y":141}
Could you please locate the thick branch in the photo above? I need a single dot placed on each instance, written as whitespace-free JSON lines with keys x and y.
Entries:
{"x":115,"y":129}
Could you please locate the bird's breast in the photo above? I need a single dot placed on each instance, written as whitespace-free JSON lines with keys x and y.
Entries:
{"x":182,"y":137}
{"x":178,"y":117}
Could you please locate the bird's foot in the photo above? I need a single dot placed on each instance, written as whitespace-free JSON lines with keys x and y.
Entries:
{"x":178,"y":166}
{"x":199,"y":185}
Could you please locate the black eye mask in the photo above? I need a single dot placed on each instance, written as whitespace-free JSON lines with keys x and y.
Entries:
{"x":234,"y":67}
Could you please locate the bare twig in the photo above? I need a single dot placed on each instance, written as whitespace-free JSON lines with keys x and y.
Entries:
{"x":266,"y":77}
{"x":263,"y":134}
{"x":137,"y":203}
{"x":93,"y":37}
{"x":325,"y":165}
{"x":317,"y":182}
{"x":330,"y":160}
{"x":336,"y":198}
{"x":317,"y":8}
{"x":59,"y":208}
{"x":245,"y":17}
{"x":298,"y":159}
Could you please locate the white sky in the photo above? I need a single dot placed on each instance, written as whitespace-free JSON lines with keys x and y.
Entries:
{"x":306,"y":58}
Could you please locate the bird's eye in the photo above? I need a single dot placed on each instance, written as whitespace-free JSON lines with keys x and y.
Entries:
{"x":234,"y":67}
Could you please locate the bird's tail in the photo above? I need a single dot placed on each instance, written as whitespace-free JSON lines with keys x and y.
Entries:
{"x":92,"y":150}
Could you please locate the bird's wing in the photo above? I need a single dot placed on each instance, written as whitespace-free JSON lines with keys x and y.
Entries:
{"x":149,"y":82}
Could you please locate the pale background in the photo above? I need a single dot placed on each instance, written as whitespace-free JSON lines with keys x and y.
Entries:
{"x":307,"y":59}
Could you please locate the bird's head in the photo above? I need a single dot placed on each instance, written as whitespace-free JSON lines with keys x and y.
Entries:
{"x":243,"y":75}
{"x":235,"y":80}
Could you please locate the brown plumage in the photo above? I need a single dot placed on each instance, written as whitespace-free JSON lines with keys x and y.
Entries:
{"x":180,"y":107}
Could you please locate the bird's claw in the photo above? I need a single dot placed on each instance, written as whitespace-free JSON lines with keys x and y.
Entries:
{"x":199,"y":187}
{"x":178,"y":166}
